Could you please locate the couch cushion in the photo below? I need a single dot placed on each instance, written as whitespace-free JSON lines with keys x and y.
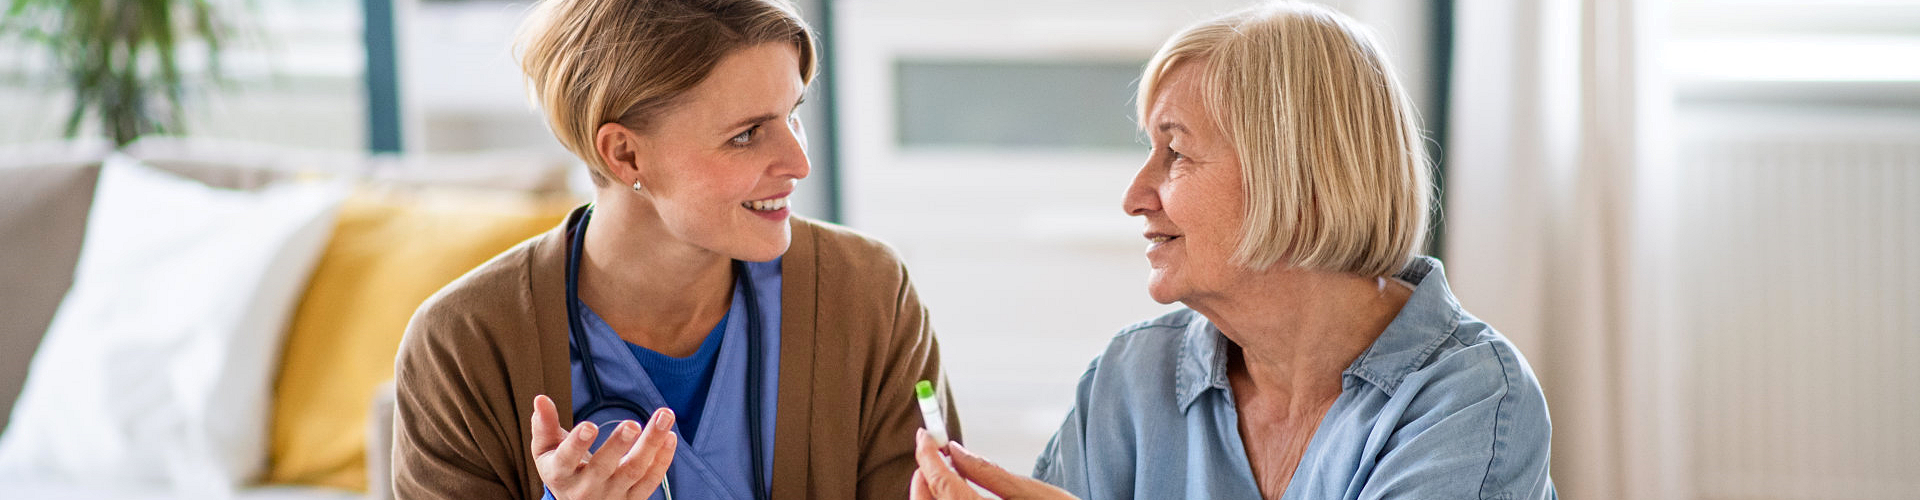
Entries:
{"x":157,"y":367}
{"x":43,"y":214}
{"x":390,"y":250}
{"x":244,"y":165}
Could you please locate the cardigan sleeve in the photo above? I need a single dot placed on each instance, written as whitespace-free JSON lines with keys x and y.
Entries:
{"x":446,"y":445}
{"x":911,"y":355}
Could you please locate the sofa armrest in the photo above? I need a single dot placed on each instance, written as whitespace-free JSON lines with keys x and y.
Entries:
{"x":380,"y":444}
{"x":44,"y":203}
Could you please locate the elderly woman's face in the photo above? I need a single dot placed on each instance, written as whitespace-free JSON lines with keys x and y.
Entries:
{"x":1190,"y":194}
{"x":718,"y":168}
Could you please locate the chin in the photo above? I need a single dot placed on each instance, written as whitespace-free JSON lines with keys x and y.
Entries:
{"x":767,"y":250}
{"x":1160,"y":290}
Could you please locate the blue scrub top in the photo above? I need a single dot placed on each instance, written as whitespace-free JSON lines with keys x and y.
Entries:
{"x":714,"y":464}
{"x":682,"y":382}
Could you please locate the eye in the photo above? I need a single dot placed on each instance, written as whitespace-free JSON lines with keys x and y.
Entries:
{"x":745,"y":138}
{"x":1173,"y":156}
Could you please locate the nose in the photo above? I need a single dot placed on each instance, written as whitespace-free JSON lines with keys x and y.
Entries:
{"x":799,"y":131}
{"x":792,"y":161}
{"x":1143,"y":194}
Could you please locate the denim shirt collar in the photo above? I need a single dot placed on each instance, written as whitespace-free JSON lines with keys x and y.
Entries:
{"x":1203,"y":362}
{"x":1424,"y":323}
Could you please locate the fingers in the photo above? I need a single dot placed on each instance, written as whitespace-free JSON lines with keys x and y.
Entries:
{"x":941,"y":480}
{"x":632,"y":459}
{"x":997,"y":480}
{"x":607,"y":459}
{"x":985,"y":473}
{"x":656,"y":469}
{"x":645,"y":466}
{"x":573,"y":450}
{"x":547,"y":433}
{"x":558,"y":466}
{"x":918,"y":490}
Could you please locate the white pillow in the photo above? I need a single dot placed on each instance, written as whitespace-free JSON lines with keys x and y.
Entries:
{"x":158,"y":367}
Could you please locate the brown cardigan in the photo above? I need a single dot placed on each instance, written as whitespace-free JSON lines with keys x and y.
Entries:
{"x":853,"y":340}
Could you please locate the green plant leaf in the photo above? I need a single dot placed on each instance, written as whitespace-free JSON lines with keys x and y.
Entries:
{"x":121,"y":57}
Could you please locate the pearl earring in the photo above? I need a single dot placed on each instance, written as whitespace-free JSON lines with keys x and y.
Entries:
{"x":636,"y":186}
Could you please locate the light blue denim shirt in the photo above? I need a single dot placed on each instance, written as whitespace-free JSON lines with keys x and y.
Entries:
{"x":1439,"y":407}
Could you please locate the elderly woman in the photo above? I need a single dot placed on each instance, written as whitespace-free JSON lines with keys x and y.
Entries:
{"x":767,"y":355}
{"x":1317,"y":358}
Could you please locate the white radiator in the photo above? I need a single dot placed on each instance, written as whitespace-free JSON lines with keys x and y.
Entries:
{"x":1800,"y":258}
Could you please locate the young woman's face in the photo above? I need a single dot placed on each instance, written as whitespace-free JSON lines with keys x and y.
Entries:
{"x":1189,"y":192}
{"x":719,"y":166}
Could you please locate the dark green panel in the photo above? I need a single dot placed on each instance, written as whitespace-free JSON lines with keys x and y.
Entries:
{"x":826,"y":145}
{"x":383,"y":78}
{"x":1441,"y":50}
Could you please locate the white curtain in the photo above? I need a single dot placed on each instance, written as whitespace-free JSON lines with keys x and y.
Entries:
{"x":1554,"y":195}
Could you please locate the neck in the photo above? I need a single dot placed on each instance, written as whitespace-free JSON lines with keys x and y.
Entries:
{"x":653,"y":289}
{"x":1295,"y":332}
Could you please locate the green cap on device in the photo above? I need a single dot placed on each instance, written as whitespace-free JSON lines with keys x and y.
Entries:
{"x":923,"y":390}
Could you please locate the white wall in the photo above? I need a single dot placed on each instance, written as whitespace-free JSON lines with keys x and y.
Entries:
{"x":291,"y":77}
{"x":1024,"y":257}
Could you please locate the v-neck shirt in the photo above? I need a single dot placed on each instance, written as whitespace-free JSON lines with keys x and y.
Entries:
{"x":683,"y":382}
{"x":719,"y":464}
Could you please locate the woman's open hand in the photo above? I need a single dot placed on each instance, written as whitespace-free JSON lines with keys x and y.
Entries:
{"x":936,"y":480}
{"x":631,"y":464}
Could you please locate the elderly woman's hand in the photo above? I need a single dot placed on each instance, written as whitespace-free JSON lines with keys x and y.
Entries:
{"x":631,"y":464}
{"x":937,"y":480}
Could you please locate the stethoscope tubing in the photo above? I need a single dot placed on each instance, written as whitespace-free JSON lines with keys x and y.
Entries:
{"x":597,"y":401}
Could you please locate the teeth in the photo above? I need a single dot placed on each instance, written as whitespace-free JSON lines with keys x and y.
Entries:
{"x":766,"y":205}
{"x":1160,"y":239}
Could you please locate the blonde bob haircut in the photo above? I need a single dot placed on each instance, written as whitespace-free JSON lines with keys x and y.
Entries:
{"x":1335,"y":178}
{"x":592,"y":62}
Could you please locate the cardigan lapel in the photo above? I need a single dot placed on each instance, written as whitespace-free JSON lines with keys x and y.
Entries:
{"x":547,"y":287}
{"x":793,"y":430}
{"x":545,"y":338}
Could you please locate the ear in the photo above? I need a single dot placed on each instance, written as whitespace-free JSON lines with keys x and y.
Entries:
{"x":619,"y":148}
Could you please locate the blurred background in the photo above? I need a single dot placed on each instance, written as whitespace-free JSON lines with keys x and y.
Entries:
{"x":1697,"y":218}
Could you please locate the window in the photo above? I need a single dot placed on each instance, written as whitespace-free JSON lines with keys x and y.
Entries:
{"x":1067,"y":104}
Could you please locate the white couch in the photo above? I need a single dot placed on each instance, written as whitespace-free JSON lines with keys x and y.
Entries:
{"x":46,"y":195}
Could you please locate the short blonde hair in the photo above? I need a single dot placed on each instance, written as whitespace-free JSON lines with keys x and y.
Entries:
{"x":592,"y":62}
{"x":1335,"y":177}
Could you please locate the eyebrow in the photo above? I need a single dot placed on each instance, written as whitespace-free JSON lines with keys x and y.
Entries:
{"x":765,"y":117}
{"x":750,"y":121}
{"x":1169,"y":126}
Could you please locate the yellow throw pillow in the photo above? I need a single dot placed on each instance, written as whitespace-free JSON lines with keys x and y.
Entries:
{"x":390,"y":250}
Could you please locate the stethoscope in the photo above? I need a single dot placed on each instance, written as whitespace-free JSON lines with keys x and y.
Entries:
{"x":597,"y":399}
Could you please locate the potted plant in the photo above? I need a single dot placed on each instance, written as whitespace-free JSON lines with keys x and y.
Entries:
{"x":121,"y":58}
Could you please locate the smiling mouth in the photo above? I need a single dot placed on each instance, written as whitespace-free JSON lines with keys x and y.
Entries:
{"x":766,"y":205}
{"x":1161,"y":239}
